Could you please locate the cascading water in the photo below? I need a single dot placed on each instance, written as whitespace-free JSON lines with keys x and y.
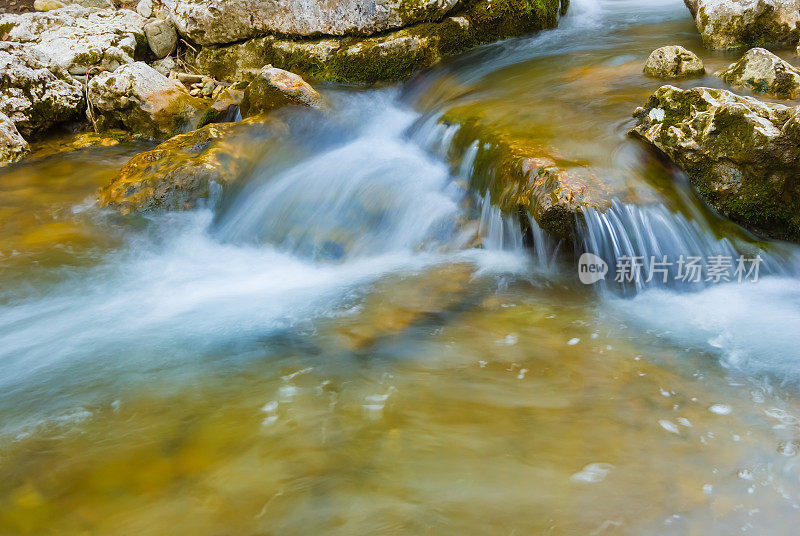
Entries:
{"x":374,"y":199}
{"x":346,"y":202}
{"x":662,"y":243}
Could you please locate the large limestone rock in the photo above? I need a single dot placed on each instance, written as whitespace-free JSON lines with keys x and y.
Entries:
{"x":191,"y":168}
{"x":764,"y":72}
{"x":138,"y":98}
{"x":739,"y":23}
{"x":673,"y":62}
{"x":224,"y":21}
{"x":78,"y":39}
{"x":274,"y":88}
{"x":388,"y":57}
{"x":12,"y":145}
{"x":742,"y":155}
{"x":34,"y":96}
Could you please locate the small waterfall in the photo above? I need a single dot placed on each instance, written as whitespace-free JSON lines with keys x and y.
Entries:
{"x":668,"y":250}
{"x":376,"y":193}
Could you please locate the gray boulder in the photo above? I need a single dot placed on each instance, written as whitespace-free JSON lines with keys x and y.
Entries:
{"x":225,"y":21}
{"x":34,"y":95}
{"x":161,"y":37}
{"x":141,"y":100}
{"x":79,"y":39}
{"x":673,"y":62}
{"x":12,"y":145}
{"x":764,"y":72}
{"x":739,"y":23}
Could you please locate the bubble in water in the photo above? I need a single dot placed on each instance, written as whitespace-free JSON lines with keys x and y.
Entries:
{"x":669,"y":427}
{"x":720,"y":409}
{"x":594,"y":472}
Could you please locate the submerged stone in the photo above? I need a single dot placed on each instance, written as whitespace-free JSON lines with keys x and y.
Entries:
{"x":189,"y":169}
{"x":738,"y":23}
{"x":673,"y":62}
{"x":764,"y":72}
{"x":140,"y":99}
{"x":741,"y":154}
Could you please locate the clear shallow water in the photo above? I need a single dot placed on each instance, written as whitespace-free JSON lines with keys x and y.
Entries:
{"x":328,"y":352}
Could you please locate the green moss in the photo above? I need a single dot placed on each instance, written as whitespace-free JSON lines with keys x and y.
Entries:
{"x":754,"y":204}
{"x":414,"y":11}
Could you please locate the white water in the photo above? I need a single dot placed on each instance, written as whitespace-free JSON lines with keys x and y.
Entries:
{"x":377,"y":193}
{"x":754,"y":328}
{"x":296,"y":244}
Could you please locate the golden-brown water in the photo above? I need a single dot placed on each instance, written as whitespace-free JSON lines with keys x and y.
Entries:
{"x":156,"y":378}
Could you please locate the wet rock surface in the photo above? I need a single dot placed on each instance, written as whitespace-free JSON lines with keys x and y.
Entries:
{"x":274,"y":88}
{"x":741,"y":154}
{"x":189,"y":169}
{"x":763,"y":72}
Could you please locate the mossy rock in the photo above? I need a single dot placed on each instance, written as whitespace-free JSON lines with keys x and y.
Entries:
{"x":187,"y":170}
{"x":763,"y":72}
{"x":741,"y":154}
{"x":393,"y":56}
{"x":274,"y":88}
{"x":521,"y":178}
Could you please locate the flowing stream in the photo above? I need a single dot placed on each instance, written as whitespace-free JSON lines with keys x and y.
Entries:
{"x":355,"y":341}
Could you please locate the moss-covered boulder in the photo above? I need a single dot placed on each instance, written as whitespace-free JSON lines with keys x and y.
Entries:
{"x":741,"y":154}
{"x":523,"y":179}
{"x":763,"y":72}
{"x":225,"y":21}
{"x":33,"y":95}
{"x":673,"y":62}
{"x":391,"y":56}
{"x":736,"y":23}
{"x":79,"y":39}
{"x":13,"y":146}
{"x":274,"y":88}
{"x":189,"y":169}
{"x":141,"y":100}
